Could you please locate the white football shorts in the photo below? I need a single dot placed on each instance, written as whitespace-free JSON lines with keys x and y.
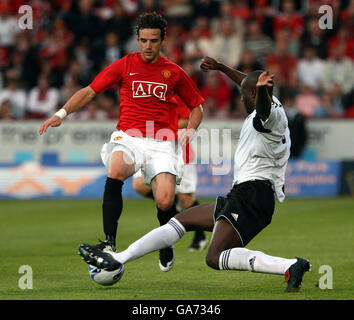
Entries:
{"x":189,"y":179}
{"x":150,"y":155}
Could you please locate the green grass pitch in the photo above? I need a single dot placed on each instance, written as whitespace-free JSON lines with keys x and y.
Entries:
{"x":45,"y":236}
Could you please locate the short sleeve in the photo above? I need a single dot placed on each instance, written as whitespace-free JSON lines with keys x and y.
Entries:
{"x":274,"y":116}
{"x":108,"y":77}
{"x":188,"y":91}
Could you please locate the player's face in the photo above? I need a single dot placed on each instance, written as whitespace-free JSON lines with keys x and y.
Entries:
{"x":150,"y":44}
{"x":248,"y":100}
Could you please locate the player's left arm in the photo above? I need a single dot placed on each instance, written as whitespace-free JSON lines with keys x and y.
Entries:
{"x":195,"y":118}
{"x":263,"y":97}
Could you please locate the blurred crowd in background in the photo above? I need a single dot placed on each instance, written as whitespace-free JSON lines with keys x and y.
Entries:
{"x":71,"y":41}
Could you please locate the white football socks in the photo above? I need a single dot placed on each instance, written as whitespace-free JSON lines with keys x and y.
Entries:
{"x":159,"y":238}
{"x":257,"y":261}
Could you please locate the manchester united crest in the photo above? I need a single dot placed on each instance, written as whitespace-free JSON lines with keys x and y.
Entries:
{"x":166,"y":73}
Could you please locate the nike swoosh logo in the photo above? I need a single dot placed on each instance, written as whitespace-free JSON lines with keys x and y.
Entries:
{"x":235,"y":216}
{"x":132,"y":73}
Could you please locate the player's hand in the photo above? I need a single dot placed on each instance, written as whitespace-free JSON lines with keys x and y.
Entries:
{"x":54,"y":121}
{"x":265,"y":79}
{"x":185,"y":136}
{"x":209,"y":64}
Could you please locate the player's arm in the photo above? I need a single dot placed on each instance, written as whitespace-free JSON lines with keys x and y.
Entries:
{"x":78,"y":100}
{"x":263,"y":99}
{"x":186,"y":135}
{"x":212,"y":64}
{"x":183,"y":123}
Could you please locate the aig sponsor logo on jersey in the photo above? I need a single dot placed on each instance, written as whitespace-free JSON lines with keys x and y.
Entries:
{"x":144,"y":89}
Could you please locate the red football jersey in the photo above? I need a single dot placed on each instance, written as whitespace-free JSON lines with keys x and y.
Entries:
{"x":147,"y":91}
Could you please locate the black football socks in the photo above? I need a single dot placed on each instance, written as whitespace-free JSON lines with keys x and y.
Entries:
{"x":112,"y":207}
{"x":165,"y":215}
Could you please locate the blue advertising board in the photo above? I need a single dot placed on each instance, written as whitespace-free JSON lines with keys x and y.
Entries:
{"x":31,"y":180}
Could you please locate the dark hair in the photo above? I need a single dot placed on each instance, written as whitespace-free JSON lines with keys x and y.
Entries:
{"x":151,"y":20}
{"x":249,"y":83}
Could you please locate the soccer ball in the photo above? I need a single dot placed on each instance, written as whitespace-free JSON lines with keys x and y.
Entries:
{"x":105,"y":278}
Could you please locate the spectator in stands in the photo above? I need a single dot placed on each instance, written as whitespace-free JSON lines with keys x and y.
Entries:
{"x":8,"y":26}
{"x":288,"y":17}
{"x":306,"y":101}
{"x":257,"y":42}
{"x":227,"y":45}
{"x":49,"y":48}
{"x":285,"y":34}
{"x":327,"y":108}
{"x":173,"y":48}
{"x":197,"y":45}
{"x":5,"y":110}
{"x":1,"y":80}
{"x":14,"y":96}
{"x":148,"y":5}
{"x":217,"y":96}
{"x":337,"y":97}
{"x":348,"y":104}
{"x":112,"y":48}
{"x":342,"y":39}
{"x":43,"y":100}
{"x":297,"y":126}
{"x":28,"y":48}
{"x":76,"y":74}
{"x":314,"y":36}
{"x":180,"y":11}
{"x":346,"y":17}
{"x":226,"y":10}
{"x":310,"y":68}
{"x":338,"y":69}
{"x":283,"y":65}
{"x":83,"y":22}
{"x":264,"y":14}
{"x":206,"y":8}
{"x":119,"y":23}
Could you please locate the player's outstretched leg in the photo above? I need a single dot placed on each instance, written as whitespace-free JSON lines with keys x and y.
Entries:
{"x":295,"y":273}
{"x":200,"y":239}
{"x":98,"y":258}
{"x":166,"y":255}
{"x":200,"y":217}
{"x":159,"y":238}
{"x":226,"y":252}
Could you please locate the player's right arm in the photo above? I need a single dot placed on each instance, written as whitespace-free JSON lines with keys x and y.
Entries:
{"x":78,"y":100}
{"x":263,"y":99}
{"x":212,"y":64}
{"x":104,"y":80}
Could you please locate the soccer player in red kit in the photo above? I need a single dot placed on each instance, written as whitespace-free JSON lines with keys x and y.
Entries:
{"x":187,"y":188}
{"x":147,"y":128}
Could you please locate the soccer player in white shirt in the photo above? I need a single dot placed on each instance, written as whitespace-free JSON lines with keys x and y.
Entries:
{"x":260,"y":162}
